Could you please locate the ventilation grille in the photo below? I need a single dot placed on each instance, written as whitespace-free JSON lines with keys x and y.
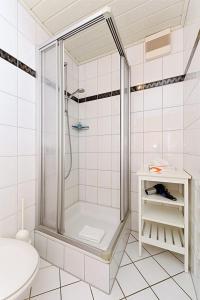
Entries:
{"x":158,"y":44}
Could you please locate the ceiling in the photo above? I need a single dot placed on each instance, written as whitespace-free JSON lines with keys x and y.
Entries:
{"x":135,"y":20}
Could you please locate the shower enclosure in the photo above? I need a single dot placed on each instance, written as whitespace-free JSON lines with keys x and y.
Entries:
{"x":83,"y":193}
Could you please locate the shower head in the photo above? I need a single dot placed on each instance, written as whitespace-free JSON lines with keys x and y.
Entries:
{"x":79,"y":91}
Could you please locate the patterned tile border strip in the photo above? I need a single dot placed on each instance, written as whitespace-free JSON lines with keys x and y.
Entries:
{"x":11,"y":59}
{"x":17,"y":63}
{"x":135,"y":88}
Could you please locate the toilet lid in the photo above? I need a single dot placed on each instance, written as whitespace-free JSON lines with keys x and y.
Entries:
{"x":18,"y":263}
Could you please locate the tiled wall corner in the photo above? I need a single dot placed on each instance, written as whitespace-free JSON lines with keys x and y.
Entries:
{"x":17,"y":115}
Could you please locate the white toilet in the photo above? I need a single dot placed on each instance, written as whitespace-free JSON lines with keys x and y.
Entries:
{"x":19,"y":264}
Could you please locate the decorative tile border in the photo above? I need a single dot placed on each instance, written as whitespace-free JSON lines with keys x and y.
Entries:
{"x":135,"y":88}
{"x":17,"y":63}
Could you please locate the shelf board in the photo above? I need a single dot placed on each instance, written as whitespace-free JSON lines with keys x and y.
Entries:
{"x":159,"y":199}
{"x":163,"y":214}
{"x":163,"y":236}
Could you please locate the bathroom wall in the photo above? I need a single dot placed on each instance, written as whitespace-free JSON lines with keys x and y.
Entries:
{"x":19,"y":36}
{"x":99,"y":147}
{"x":156,"y":121}
{"x":192,"y":130}
{"x":156,"y":113}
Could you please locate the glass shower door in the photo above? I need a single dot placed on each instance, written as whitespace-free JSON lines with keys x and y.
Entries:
{"x":124,"y":138}
{"x":50,"y":136}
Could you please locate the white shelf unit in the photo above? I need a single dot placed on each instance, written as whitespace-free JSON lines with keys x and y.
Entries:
{"x":163,"y":222}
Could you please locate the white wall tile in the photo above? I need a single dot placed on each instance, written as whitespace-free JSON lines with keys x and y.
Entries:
{"x":8,"y":10}
{"x":26,"y":190}
{"x":115,"y":61}
{"x":91,"y":194}
{"x":173,"y":65}
{"x":173,"y":141}
{"x":26,"y":141}
{"x":7,"y":30}
{"x":8,"y":171}
{"x":26,"y":86}
{"x":91,"y":69}
{"x":104,"y":196}
{"x":104,"y":179}
{"x":137,"y":74}
{"x":55,"y":253}
{"x":8,"y":109}
{"x":153,"y":142}
{"x":26,"y":114}
{"x":153,"y":120}
{"x":173,"y":118}
{"x":153,"y":98}
{"x":26,"y":24}
{"x":8,"y":141}
{"x":8,"y":227}
{"x":74,"y":262}
{"x":100,"y":278}
{"x":26,"y":168}
{"x":173,"y":95}
{"x":137,"y":101}
{"x":8,"y":75}
{"x":104,"y":161}
{"x":137,"y":122}
{"x":177,"y":40}
{"x":104,"y":83}
{"x":8,"y":201}
{"x":135,"y":54}
{"x":137,"y":142}
{"x":41,"y":244}
{"x":26,"y":51}
{"x":104,"y":65}
{"x":153,"y":70}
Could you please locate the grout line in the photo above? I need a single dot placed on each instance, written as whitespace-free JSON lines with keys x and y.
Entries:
{"x":91,"y":292}
{"x":65,"y":285}
{"x":170,"y":276}
{"x":142,"y":275}
{"x":45,"y":292}
{"x":124,"y":296}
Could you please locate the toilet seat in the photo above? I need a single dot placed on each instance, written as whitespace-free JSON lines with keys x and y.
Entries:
{"x":19,"y":263}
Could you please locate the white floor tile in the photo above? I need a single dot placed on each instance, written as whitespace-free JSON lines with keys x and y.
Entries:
{"x":185,"y":281}
{"x":147,"y":294}
{"x":179,"y":256}
{"x":131,"y":239}
{"x":130,"y":280}
{"x":67,"y":278}
{"x":151,"y":270}
{"x":170,"y":263}
{"x":125,"y":260}
{"x":44,"y":263}
{"x":53,"y":295}
{"x":168,"y":290}
{"x":133,"y":251}
{"x":115,"y":294}
{"x":152,"y":249}
{"x":76,"y":291}
{"x":47,"y":279}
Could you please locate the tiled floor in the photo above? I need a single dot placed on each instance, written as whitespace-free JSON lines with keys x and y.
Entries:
{"x":158,"y":274}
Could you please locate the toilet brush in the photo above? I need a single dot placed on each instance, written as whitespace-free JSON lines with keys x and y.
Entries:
{"x":23,"y":234}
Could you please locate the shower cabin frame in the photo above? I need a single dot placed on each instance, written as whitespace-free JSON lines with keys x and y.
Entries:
{"x":102,"y":15}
